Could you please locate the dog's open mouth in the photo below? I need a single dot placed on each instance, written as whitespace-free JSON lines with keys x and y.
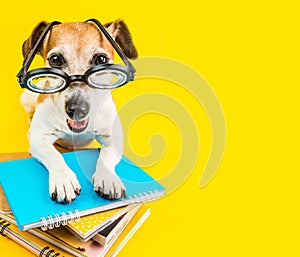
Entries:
{"x":77,"y":126}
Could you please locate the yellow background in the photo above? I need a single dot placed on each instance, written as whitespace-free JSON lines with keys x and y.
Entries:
{"x":249,"y":53}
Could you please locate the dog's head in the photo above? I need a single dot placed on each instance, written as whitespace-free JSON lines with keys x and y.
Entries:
{"x":74,"y":48}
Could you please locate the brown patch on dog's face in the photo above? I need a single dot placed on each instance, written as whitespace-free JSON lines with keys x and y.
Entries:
{"x":75,"y":47}
{"x":42,"y":97}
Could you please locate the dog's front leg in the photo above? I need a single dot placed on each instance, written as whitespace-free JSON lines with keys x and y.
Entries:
{"x":63,"y":183}
{"x":106,"y":182}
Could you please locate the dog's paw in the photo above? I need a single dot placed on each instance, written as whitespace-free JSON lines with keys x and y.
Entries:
{"x":108,"y":185}
{"x":63,"y":186}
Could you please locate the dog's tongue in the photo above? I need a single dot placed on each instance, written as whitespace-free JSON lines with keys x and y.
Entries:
{"x":77,"y":124}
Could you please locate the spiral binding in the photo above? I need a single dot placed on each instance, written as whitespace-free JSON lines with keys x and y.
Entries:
{"x":47,"y":252}
{"x":3,"y":224}
{"x":64,"y":218}
{"x":56,"y":220}
{"x":149,"y":196}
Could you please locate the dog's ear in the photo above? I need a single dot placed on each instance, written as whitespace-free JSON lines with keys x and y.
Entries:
{"x":30,"y":42}
{"x":120,"y":32}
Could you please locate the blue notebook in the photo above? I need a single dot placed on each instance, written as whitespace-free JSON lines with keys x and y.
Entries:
{"x":25,"y":184}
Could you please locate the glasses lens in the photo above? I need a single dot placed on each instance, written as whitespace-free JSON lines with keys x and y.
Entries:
{"x":46,"y":83}
{"x":108,"y":78}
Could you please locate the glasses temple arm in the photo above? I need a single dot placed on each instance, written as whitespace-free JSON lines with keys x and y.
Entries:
{"x":34,"y":50}
{"x":114,"y":44}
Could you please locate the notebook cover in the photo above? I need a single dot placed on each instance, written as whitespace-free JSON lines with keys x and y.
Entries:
{"x":64,"y":235}
{"x":98,"y":250}
{"x":70,"y":244}
{"x":137,"y":221}
{"x":94,"y":249}
{"x":110,"y":233}
{"x":89,"y":225}
{"x":34,"y":244}
{"x":25,"y":183}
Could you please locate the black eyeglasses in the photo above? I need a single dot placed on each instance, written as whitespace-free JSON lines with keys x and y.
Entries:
{"x":51,"y":80}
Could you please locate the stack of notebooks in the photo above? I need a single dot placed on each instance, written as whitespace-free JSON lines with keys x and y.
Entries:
{"x":90,"y":226}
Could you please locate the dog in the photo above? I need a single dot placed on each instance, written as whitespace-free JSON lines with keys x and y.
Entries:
{"x":79,"y":114}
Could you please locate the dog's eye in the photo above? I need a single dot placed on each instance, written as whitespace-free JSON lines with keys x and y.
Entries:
{"x":56,"y":61}
{"x":100,"y":59}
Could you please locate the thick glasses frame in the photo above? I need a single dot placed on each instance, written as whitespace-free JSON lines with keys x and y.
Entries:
{"x":24,"y":75}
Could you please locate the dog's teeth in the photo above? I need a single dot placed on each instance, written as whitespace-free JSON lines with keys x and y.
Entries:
{"x":78,"y":124}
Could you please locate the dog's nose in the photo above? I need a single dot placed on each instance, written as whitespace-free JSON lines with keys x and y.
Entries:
{"x":77,"y":110}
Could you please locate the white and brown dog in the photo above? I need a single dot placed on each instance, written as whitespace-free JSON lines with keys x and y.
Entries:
{"x":74,"y":117}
